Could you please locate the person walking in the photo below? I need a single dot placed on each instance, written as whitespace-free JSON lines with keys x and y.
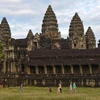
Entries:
{"x":60,"y":87}
{"x":21,"y":87}
{"x":70,"y":88}
{"x":50,"y":89}
{"x":74,"y":87}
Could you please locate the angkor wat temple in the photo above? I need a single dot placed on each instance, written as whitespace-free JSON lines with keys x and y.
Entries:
{"x":45,"y":59}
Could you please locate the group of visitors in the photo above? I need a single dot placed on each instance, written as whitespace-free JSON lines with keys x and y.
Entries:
{"x":72,"y":88}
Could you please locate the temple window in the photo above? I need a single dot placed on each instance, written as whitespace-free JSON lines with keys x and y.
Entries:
{"x":74,"y":45}
{"x":32,"y":69}
{"x":81,"y":46}
{"x":35,"y":44}
{"x":22,"y":69}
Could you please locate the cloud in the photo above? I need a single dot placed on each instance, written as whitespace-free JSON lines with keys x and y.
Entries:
{"x":20,"y":30}
{"x":9,"y":1}
{"x":24,"y":12}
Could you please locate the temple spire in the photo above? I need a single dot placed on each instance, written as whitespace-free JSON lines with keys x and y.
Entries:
{"x":76,"y":26}
{"x":4,"y":21}
{"x":50,"y":26}
{"x":76,"y":33}
{"x":89,"y":32}
{"x":6,"y":33}
{"x":90,"y":39}
{"x":30,"y":34}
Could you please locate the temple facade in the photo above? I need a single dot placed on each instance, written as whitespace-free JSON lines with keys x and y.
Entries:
{"x":45,"y":59}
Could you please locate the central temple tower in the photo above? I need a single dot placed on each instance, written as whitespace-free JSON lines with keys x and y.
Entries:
{"x":50,"y":26}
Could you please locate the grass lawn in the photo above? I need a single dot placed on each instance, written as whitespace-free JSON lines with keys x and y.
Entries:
{"x":42,"y":93}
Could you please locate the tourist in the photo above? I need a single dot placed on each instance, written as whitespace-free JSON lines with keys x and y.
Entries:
{"x":60,"y":88}
{"x":21,"y":87}
{"x":70,"y":88}
{"x":74,"y":87}
{"x":50,"y":89}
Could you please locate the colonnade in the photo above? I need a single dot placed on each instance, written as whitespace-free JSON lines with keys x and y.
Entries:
{"x":54,"y":71}
{"x":64,"y":69}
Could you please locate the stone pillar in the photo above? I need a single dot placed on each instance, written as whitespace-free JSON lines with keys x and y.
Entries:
{"x":11,"y":68}
{"x":25,"y":68}
{"x":37,"y":69}
{"x":35,"y":82}
{"x":4,"y":66}
{"x":72,"y":72}
{"x":99,"y":68}
{"x":13,"y":55}
{"x":54,"y":69}
{"x":45,"y":69}
{"x":80,"y":69}
{"x":14,"y":67}
{"x":62,"y":67}
{"x":43,"y":82}
{"x":26,"y":82}
{"x":9,"y":65}
{"x":28,"y":70}
{"x":18,"y":68}
{"x":90,"y":68}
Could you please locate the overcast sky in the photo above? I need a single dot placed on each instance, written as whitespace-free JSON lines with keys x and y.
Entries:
{"x":23,"y":15}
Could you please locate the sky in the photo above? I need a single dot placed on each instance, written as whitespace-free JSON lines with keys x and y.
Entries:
{"x":23,"y":15}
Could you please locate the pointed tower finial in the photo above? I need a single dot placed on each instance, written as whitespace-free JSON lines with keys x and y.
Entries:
{"x":89,"y":32}
{"x":30,"y":34}
{"x":4,"y":20}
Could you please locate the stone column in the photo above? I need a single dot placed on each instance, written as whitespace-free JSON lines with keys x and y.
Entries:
{"x":35,"y":82}
{"x":37,"y":70}
{"x":26,"y":82}
{"x":54,"y":69}
{"x":19,"y":68}
{"x":43,"y":82}
{"x":80,"y":69}
{"x":72,"y":72}
{"x":62,"y":67}
{"x":45,"y":69}
{"x":11,"y":68}
{"x":99,"y":68}
{"x":90,"y":68}
{"x":4,"y":66}
{"x":28,"y":70}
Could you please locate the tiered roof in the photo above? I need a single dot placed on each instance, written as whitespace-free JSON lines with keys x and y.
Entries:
{"x":72,"y":56}
{"x":5,"y":28}
{"x":90,"y":38}
{"x":76,"y":26}
{"x":50,"y":25}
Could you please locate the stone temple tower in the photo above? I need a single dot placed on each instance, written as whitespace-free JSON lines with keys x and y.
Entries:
{"x":5,"y":33}
{"x":76,"y":33}
{"x":90,"y":39}
{"x":50,"y":26}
